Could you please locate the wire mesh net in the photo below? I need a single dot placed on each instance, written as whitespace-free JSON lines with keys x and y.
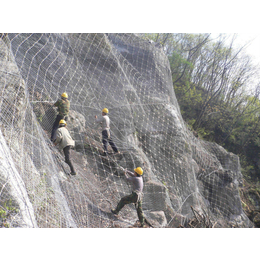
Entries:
{"x":130,"y":76}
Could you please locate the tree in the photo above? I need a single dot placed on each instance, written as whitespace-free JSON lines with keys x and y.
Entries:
{"x":218,"y":98}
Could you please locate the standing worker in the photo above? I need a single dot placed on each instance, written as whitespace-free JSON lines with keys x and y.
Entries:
{"x":106,"y":134}
{"x":63,"y":105}
{"x":136,"y":197}
{"x":65,"y":143}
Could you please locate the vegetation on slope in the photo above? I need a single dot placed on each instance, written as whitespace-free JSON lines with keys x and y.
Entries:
{"x":217,"y":88}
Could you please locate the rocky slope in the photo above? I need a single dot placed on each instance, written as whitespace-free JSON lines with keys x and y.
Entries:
{"x":131,"y":77}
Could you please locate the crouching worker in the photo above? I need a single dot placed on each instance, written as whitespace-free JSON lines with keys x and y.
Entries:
{"x":65,"y":143}
{"x":136,"y":197}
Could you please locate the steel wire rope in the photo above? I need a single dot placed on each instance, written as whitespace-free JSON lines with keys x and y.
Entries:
{"x":13,"y":119}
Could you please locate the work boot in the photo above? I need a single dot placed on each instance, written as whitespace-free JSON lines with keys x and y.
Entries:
{"x":114,"y":211}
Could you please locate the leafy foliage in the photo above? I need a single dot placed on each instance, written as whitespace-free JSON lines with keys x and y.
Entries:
{"x":5,"y":211}
{"x":218,"y":99}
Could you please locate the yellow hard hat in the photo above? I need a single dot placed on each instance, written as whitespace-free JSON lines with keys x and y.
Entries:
{"x":62,"y":121}
{"x":64,"y":95}
{"x":139,"y":170}
{"x":105,"y":110}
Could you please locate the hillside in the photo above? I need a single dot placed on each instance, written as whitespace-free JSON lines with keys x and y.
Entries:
{"x":132,"y":78}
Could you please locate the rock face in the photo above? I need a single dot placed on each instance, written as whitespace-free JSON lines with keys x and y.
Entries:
{"x":132,"y":78}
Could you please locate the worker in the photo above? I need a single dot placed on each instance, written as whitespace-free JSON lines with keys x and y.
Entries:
{"x":136,"y":197}
{"x":65,"y":143}
{"x":63,"y":105}
{"x":106,"y":134}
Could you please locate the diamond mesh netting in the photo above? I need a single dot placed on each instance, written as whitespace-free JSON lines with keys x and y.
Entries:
{"x":131,"y":77}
